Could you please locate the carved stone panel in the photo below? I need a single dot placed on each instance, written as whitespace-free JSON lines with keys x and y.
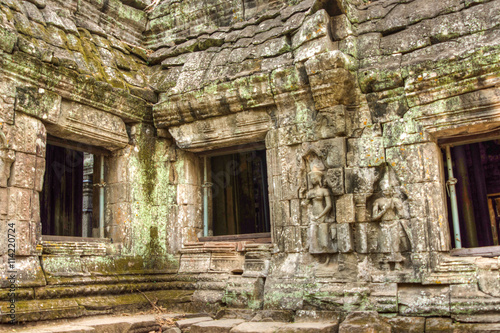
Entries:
{"x":231,"y":130}
{"x":85,"y":124}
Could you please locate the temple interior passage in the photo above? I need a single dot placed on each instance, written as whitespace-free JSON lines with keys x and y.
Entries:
{"x":239,"y":193}
{"x":67,"y":197}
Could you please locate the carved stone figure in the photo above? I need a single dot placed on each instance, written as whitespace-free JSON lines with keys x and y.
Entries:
{"x":388,"y":207}
{"x":318,"y":201}
{"x":392,"y":212}
{"x":7,"y":157}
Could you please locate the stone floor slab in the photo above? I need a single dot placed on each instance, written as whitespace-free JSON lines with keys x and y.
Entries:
{"x":257,"y":327}
{"x":185,"y":323}
{"x":216,"y":326}
{"x":310,"y":327}
{"x":67,"y":329}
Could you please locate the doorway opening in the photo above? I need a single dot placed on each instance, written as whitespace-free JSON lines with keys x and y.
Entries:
{"x":70,"y":198}
{"x":239,"y":202}
{"x":476,"y":183}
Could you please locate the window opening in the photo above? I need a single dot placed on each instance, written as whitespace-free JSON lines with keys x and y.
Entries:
{"x":239,"y":193}
{"x":476,"y":173}
{"x":69,"y":201}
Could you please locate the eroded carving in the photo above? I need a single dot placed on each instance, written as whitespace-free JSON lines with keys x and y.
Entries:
{"x":318,"y":201}
{"x":390,"y":212}
{"x":7,"y":157}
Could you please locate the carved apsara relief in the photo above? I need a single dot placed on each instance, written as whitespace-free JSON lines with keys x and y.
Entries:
{"x":391,"y":214}
{"x":7,"y":157}
{"x":384,"y":235}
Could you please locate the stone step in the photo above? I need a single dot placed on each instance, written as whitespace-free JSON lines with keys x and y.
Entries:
{"x":100,"y":324}
{"x":240,"y":326}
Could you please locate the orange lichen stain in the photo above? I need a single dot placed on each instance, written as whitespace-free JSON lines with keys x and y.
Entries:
{"x":420,"y":78}
{"x":364,"y":123}
{"x":438,"y":282}
{"x":382,"y":157}
{"x":393,"y":163}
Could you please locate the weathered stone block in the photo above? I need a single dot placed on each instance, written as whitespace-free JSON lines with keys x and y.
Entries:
{"x":445,"y":27}
{"x":345,"y":208}
{"x":349,"y":46}
{"x":39,"y":173}
{"x":365,"y":152}
{"x":62,"y":266}
{"x":309,"y":328}
{"x":195,"y":263}
{"x":331,"y":122}
{"x":345,"y":237}
{"x":27,"y":136}
{"x":293,"y":23}
{"x":256,"y":264}
{"x":427,"y":200}
{"x":362,"y":180}
{"x":412,"y":38}
{"x":23,"y":171}
{"x":314,"y":26}
{"x":406,"y":14}
{"x":331,"y":296}
{"x":187,"y":323}
{"x":19,"y":204}
{"x":8,"y":39}
{"x":29,"y":273}
{"x":309,"y":316}
{"x":335,"y":180}
{"x":7,"y":157}
{"x":436,"y":325}
{"x":313,"y":48}
{"x":424,"y":300}
{"x":272,"y":48}
{"x":79,"y":122}
{"x":362,"y":213}
{"x":218,"y":326}
{"x":260,"y":327}
{"x":335,"y":152}
{"x":333,"y":87}
{"x":288,"y":79}
{"x":327,"y":61}
{"x":39,"y":103}
{"x":118,"y":169}
{"x":117,"y":193}
{"x":469,"y":300}
{"x":381,"y":73}
{"x":341,"y":27}
{"x":226,"y":262}
{"x":284,"y":294}
{"x":380,"y":297}
{"x":4,"y":200}
{"x":23,"y":240}
{"x":407,"y":132}
{"x":407,"y":324}
{"x":416,"y":163}
{"x":188,"y":194}
{"x":369,"y":45}
{"x":244,"y":292}
{"x":364,"y":322}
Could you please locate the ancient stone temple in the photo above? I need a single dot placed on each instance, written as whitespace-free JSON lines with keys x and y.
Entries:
{"x":302,"y":158}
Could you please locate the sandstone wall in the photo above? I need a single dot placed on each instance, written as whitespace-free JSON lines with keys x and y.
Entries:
{"x":358,"y":91}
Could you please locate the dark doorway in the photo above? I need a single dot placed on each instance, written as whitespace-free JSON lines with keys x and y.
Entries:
{"x":66,"y":198}
{"x":476,"y":167}
{"x":240,"y":203}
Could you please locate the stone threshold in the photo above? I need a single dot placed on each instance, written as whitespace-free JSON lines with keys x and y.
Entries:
{"x":310,"y":322}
